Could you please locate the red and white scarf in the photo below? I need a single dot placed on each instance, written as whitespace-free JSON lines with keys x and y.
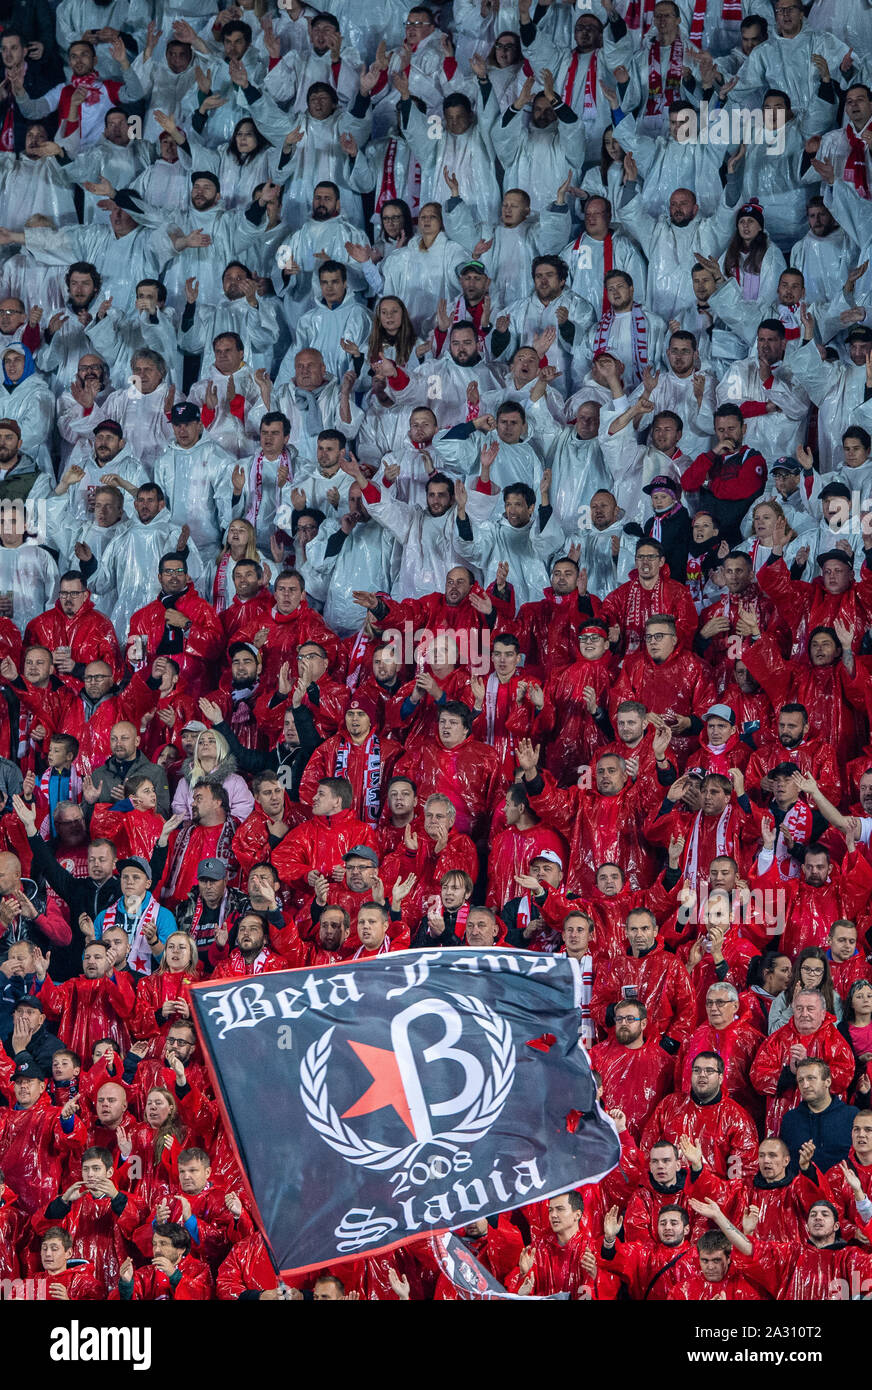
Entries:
{"x":219,"y":591}
{"x":635,"y":615}
{"x":731,"y":12}
{"x":588,"y":110}
{"x":356,"y":664}
{"x":208,"y":936}
{"x":856,"y":171}
{"x":640,"y":335}
{"x":722,"y":841}
{"x":491,"y":696}
{"x":75,"y":793}
{"x":388,"y":191}
{"x":798,"y":823}
{"x":255,"y":482}
{"x":790,"y":317}
{"x":371,"y":775}
{"x":96,"y":86}
{"x":640,"y":15}
{"x":608,"y":262}
{"x":660,"y":517}
{"x":661,"y":95}
{"x":139,"y":957}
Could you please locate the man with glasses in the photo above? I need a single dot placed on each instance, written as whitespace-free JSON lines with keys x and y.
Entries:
{"x":178,"y":624}
{"x":729,"y":1034}
{"x":670,"y":682}
{"x":724,"y":1131}
{"x":636,"y":1073}
{"x":648,"y":591}
{"x":75,"y":632}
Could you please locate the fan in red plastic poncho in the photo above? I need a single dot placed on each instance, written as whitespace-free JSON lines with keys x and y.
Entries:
{"x":549,"y":627}
{"x":636,"y":1072}
{"x":822,"y":894}
{"x":506,"y":702}
{"x":75,"y":632}
{"x":250,"y":956}
{"x":411,"y":713}
{"x":675,"y":1173}
{"x":287,"y":627}
{"x":561,"y":1261}
{"x":358,"y":752}
{"x":668,"y":680}
{"x":316,"y":848}
{"x":832,"y":598}
{"x":37,"y":1139}
{"x":89,"y":1210}
{"x":813,"y":756}
{"x":713,"y":816}
{"x":848,"y":965}
{"x":721,"y":623}
{"x":574,"y":705}
{"x":430,"y":853}
{"x":843,"y":1179}
{"x":782,"y":1197}
{"x":733,"y":1038}
{"x":42,"y":701}
{"x":174,"y":1273}
{"x":718,"y":1274}
{"x":811,"y":1033}
{"x":61,"y":1275}
{"x":465,"y":610}
{"x":649,"y":590}
{"x":179,"y":624}
{"x":644,"y":741}
{"x":513,"y":850}
{"x":93,"y":711}
{"x":719,"y":1125}
{"x":97,"y":1004}
{"x":821,"y":1268}
{"x":649,"y":1268}
{"x":252,"y":599}
{"x":238,"y":690}
{"x":602,"y":825}
{"x":460,"y":767}
{"x":721,"y":953}
{"x":274,"y":815}
{"x":825,"y":681}
{"x":213,"y":1215}
{"x":648,"y":973}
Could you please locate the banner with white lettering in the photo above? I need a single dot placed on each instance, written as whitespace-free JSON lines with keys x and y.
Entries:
{"x":377,"y":1102}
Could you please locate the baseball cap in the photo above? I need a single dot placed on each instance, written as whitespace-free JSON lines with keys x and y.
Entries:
{"x":185,"y":413}
{"x":860,"y":333}
{"x":27,"y":1070}
{"x":720,"y":712}
{"x":786,"y":464}
{"x":194,"y":726}
{"x":205,"y":174}
{"x":12,"y":425}
{"x":242,"y":647}
{"x":30,"y":1001}
{"x":212,"y":870}
{"x":478,"y":266}
{"x":362,"y":852}
{"x":842,"y":555}
{"x":135,"y":861}
{"x":110,"y":426}
{"x":550,"y":855}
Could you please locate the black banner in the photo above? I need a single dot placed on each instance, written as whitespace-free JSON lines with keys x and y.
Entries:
{"x":377,"y":1102}
{"x":469,"y":1276}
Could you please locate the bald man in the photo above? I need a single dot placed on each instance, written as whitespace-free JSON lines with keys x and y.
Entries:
{"x":127,"y":760}
{"x":27,"y":916}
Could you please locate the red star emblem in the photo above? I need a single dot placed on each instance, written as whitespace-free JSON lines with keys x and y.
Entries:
{"x":387,"y":1088}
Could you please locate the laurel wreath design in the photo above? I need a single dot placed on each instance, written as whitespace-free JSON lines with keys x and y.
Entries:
{"x":480,"y":1117}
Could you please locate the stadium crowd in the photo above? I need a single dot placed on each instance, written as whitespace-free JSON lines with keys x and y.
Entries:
{"x":434,"y":447}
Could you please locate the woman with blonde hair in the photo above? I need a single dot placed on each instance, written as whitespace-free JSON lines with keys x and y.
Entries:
{"x":765,"y":518}
{"x":240,"y":543}
{"x":161,"y":996}
{"x":212,"y":761}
